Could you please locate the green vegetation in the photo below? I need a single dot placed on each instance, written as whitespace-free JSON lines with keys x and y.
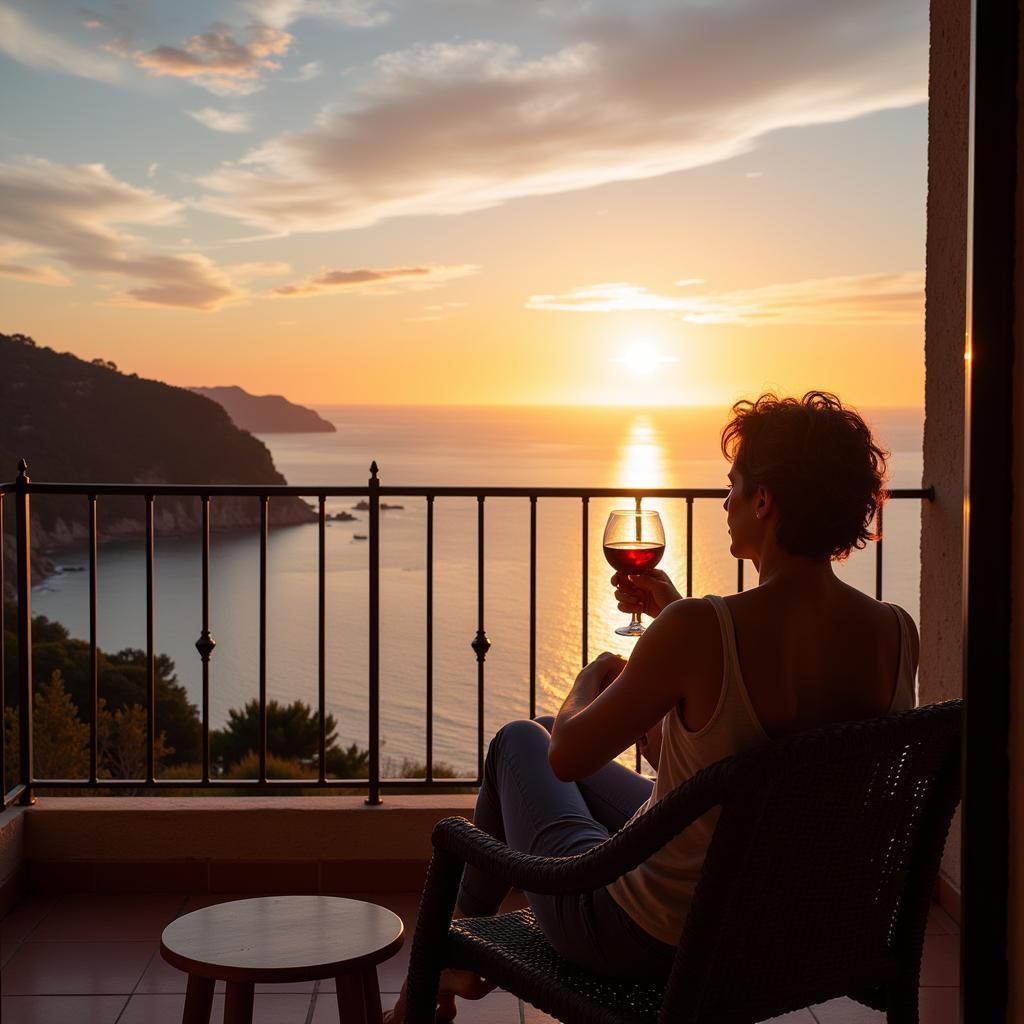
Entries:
{"x":62,"y":689}
{"x":293,"y":738}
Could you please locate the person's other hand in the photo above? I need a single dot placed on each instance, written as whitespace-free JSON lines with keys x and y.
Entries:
{"x":648,"y":593}
{"x":608,"y":666}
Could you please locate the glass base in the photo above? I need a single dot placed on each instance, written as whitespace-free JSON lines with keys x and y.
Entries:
{"x":633,"y":629}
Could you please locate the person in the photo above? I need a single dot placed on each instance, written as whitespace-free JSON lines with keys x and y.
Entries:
{"x":709,"y":678}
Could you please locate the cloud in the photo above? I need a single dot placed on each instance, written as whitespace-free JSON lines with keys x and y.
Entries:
{"x":864,"y":299}
{"x":446,"y":128}
{"x":223,"y":120}
{"x":613,"y":297}
{"x":353,"y":13}
{"x":259,"y":268}
{"x":307,"y":72}
{"x":375,"y":281}
{"x":218,"y":61}
{"x":11,"y":266}
{"x":72,"y":213}
{"x":28,"y":43}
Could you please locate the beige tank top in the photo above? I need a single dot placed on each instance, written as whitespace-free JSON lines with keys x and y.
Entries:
{"x":657,"y":893}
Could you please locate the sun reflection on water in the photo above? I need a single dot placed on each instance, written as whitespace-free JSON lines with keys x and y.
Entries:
{"x":642,"y":457}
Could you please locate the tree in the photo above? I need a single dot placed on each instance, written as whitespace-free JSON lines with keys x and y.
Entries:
{"x":60,"y":748}
{"x":122,"y":681}
{"x":293,"y":734}
{"x":122,"y":739}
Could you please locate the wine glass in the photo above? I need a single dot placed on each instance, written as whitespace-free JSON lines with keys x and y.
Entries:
{"x":634,"y":541}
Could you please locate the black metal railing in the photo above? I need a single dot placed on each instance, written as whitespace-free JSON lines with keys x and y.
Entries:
{"x":22,"y":489}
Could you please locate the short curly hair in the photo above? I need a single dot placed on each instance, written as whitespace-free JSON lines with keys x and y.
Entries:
{"x":821,"y":465}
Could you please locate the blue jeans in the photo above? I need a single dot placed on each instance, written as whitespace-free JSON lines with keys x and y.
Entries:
{"x":522,"y":803}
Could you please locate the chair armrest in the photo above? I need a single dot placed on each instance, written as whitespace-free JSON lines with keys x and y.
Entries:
{"x":596,"y":867}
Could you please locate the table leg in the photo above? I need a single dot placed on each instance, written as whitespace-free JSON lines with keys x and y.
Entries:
{"x":238,"y":1003}
{"x":359,"y":997}
{"x":198,"y":1000}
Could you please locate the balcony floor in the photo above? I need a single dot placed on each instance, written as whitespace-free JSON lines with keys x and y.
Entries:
{"x":92,"y":959}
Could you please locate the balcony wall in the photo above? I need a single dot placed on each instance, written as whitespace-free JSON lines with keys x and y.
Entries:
{"x":220,"y":845}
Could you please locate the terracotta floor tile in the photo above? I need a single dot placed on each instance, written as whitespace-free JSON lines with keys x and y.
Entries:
{"x":531,"y":1015}
{"x":390,"y":974}
{"x":281,"y":1009}
{"x":940,"y":1005}
{"x":62,"y":1009}
{"x":268,"y":1008}
{"x":161,"y":977}
{"x":163,"y":1009}
{"x":846,"y":1011}
{"x":25,"y":917}
{"x":940,"y":964}
{"x":207,"y":899}
{"x":940,"y":923}
{"x":77,"y":968}
{"x":497,"y":1008}
{"x":97,"y":918}
{"x":325,"y":1010}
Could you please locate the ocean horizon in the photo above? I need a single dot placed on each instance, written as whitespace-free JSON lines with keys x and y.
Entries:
{"x":522,"y":446}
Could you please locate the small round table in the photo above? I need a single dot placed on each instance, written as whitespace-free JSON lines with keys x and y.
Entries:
{"x":281,"y":939}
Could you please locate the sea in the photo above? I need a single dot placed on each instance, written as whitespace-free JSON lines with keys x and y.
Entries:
{"x":456,"y":446}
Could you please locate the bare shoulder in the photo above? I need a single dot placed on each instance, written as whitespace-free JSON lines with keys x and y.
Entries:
{"x":911,"y":626}
{"x":687,"y":632}
{"x":689,"y":617}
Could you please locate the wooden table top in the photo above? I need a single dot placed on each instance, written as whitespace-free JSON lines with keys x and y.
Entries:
{"x":282,"y":938}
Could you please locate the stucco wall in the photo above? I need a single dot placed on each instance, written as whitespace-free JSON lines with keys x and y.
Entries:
{"x":941,"y":671}
{"x":1016,"y":895}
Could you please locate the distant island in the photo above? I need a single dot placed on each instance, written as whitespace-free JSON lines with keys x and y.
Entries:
{"x":76,"y":421}
{"x":266,"y":414}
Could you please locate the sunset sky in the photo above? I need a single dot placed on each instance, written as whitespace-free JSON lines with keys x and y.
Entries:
{"x":471,"y":201}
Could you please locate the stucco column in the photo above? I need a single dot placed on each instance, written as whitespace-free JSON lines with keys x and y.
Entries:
{"x":1016,"y":738}
{"x":941,"y":670}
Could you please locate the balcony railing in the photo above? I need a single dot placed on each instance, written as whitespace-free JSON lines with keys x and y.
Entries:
{"x":22,"y":489}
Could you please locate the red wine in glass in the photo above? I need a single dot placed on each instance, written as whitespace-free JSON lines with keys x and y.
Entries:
{"x":632,"y":556}
{"x":634,"y":541}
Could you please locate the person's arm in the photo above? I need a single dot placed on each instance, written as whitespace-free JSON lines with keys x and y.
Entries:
{"x":650,"y":744}
{"x":597,"y":721}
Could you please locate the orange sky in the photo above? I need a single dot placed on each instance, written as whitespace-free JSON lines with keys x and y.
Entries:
{"x":364,"y":203}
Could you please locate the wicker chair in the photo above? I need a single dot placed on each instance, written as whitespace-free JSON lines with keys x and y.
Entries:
{"x":816,"y":884}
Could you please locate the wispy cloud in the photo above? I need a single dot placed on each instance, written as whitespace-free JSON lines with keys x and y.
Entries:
{"x":436,"y":311}
{"x":353,"y":13}
{"x":374,"y":280}
{"x":234,"y":121}
{"x":449,"y":127}
{"x":28,"y":43}
{"x":11,"y":265}
{"x":72,"y":213}
{"x":218,"y":61}
{"x":611,"y":297}
{"x":307,"y":72}
{"x":863,"y":299}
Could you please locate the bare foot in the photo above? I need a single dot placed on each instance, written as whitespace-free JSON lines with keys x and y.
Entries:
{"x":453,"y":983}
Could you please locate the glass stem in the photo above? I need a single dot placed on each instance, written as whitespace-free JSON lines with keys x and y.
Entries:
{"x":635,"y":619}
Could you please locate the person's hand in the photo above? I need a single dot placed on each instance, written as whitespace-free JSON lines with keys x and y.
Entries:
{"x":608,"y":666}
{"x":649,"y":593}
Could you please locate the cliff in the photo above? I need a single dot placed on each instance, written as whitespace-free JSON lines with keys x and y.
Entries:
{"x":76,"y":421}
{"x":266,"y":414}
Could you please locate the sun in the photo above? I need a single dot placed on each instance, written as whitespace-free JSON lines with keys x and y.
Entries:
{"x":642,"y":358}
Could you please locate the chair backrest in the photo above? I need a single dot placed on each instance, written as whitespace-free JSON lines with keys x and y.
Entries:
{"x":820,"y":872}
